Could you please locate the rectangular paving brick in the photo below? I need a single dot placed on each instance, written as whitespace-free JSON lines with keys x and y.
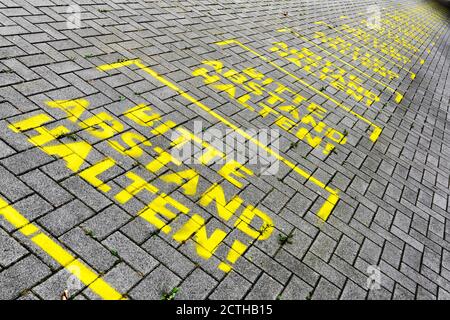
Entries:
{"x":89,"y":249}
{"x":11,"y":187}
{"x":22,"y":276}
{"x":66,"y":217}
{"x":196,"y":286}
{"x":87,"y":193}
{"x":393,"y":188}
{"x":11,"y":250}
{"x":232,"y":287}
{"x":177,"y":262}
{"x":266,"y":288}
{"x":106,"y":222}
{"x":47,"y":188}
{"x":158,"y":283}
{"x":131,"y":253}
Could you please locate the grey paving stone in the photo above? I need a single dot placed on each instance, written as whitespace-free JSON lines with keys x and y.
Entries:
{"x":130,"y":253}
{"x":302,"y":270}
{"x":138,"y":230}
{"x":446,"y":259}
{"x":87,"y":193}
{"x":347,"y":249}
{"x":423,"y":294}
{"x":166,"y":254}
{"x":21,"y":276}
{"x":296,"y":289}
{"x":323,"y":246}
{"x":300,"y":244}
{"x":324,"y":269}
{"x":7,"y":110}
{"x":443,"y":295}
{"x":89,"y":249}
{"x":391,"y":254}
{"x":196,"y":286}
{"x":232,"y":287}
{"x":33,"y":207}
{"x":352,"y":291}
{"x":5,"y":150}
{"x":10,"y":250}
{"x":47,"y":188}
{"x":266,"y":288}
{"x":11,"y":187}
{"x":106,"y":222}
{"x":379,"y":294}
{"x":54,"y":287}
{"x":66,"y":217}
{"x":28,"y":296}
{"x":325,"y":290}
{"x":56,"y":170}
{"x":122,"y":278}
{"x":270,"y":266}
{"x":412,"y":257}
{"x":370,"y":252}
{"x":159,"y":282}
{"x":27,"y":160}
{"x":401,"y":293}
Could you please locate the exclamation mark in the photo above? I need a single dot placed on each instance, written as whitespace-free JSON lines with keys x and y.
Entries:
{"x":237,"y":250}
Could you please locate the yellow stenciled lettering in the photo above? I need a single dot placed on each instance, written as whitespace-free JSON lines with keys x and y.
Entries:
{"x":234,"y":168}
{"x":304,"y":134}
{"x":224,"y":209}
{"x":205,"y":246}
{"x":159,"y":206}
{"x":73,"y":108}
{"x":47,"y":135}
{"x":285,"y":123}
{"x":30,"y":123}
{"x":138,"y":185}
{"x":142,"y":116}
{"x":187,"y":179}
{"x":74,"y":154}
{"x":132,"y":140}
{"x":102,"y":126}
{"x":161,"y":161}
{"x":245,"y":220}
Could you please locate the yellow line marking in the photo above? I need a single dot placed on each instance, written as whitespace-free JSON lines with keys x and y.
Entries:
{"x":376,"y":129}
{"x":413,"y":75}
{"x":398,"y":95}
{"x":408,"y":22}
{"x":431,"y":25}
{"x":403,"y":50}
{"x":58,"y":253}
{"x":332,"y":199}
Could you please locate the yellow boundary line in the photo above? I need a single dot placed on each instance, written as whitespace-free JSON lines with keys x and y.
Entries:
{"x":398,"y":95}
{"x":433,"y":25}
{"x":429,"y":22}
{"x":376,"y":131}
{"x":412,"y":74}
{"x":58,"y":253}
{"x":332,"y":199}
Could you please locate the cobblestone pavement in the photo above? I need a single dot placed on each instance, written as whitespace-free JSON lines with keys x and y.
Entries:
{"x":97,"y":97}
